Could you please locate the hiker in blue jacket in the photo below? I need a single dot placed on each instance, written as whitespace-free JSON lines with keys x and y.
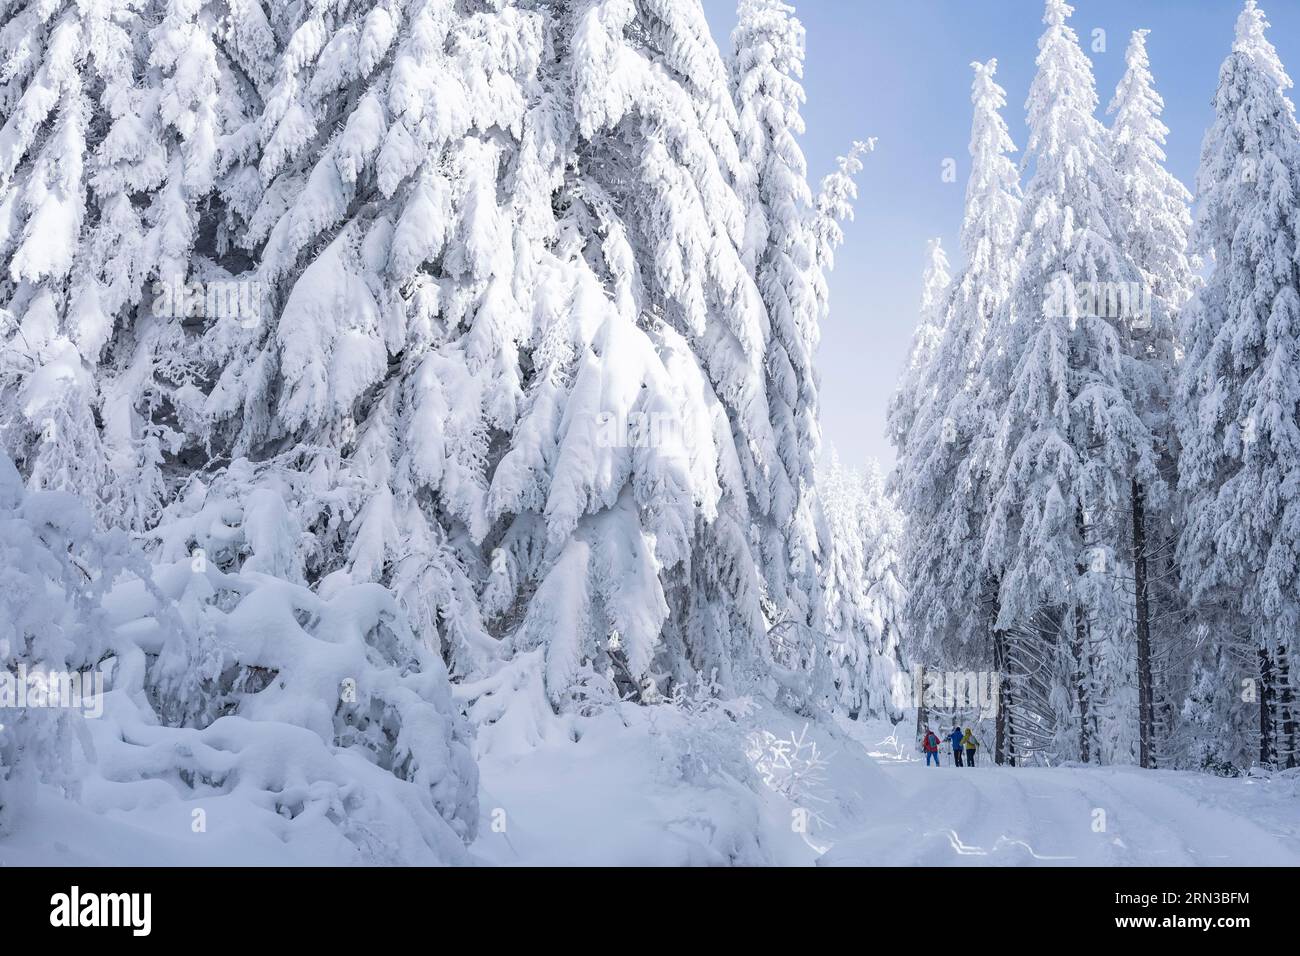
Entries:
{"x":954,"y":738}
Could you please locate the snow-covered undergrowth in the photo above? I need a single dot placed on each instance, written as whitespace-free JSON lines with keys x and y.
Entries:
{"x":691,"y":781}
{"x":240,"y":717}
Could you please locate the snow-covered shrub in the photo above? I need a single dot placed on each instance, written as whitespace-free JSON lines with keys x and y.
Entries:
{"x":665,"y":781}
{"x":794,"y":767}
{"x":703,"y":731}
{"x":699,"y":730}
{"x":696,"y":739}
{"x":308,"y":711}
{"x":512,"y":713}
{"x":54,"y":569}
{"x":323,"y":708}
{"x":510,"y":708}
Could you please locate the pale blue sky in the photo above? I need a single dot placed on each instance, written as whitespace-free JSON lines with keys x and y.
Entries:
{"x":899,"y":70}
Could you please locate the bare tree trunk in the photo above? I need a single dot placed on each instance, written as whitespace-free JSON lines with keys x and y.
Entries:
{"x":999,"y":668}
{"x":1267,"y":749}
{"x":1285,"y":721}
{"x":1003,"y":753}
{"x":922,"y":718}
{"x":1079,"y":648}
{"x":1080,"y":682}
{"x":1146,"y":714}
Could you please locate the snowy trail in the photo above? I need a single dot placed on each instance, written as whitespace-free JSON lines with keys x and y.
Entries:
{"x":611,"y":800}
{"x":1075,"y":816}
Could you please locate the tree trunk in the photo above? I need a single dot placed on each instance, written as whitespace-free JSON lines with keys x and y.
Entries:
{"x":919,"y":696}
{"x":1000,"y":718}
{"x":1285,"y":721}
{"x":1146,"y":712}
{"x":1267,"y":751}
{"x":1080,"y":681}
{"x":1002,"y":750}
{"x":1079,"y":648}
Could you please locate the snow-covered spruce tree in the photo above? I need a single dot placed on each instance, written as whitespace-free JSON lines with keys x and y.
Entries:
{"x":121,"y":122}
{"x":835,"y":197}
{"x":864,"y":597}
{"x":374,"y":386}
{"x":1069,"y":435}
{"x":628,"y":502}
{"x":886,"y":593}
{"x":664,"y":186}
{"x":516,"y":363}
{"x":791,"y":236}
{"x":52,"y":80}
{"x":1155,"y":222}
{"x":1216,"y":729}
{"x":1239,"y":470}
{"x":942,"y":492}
{"x":915,"y":391}
{"x":781,"y":246}
{"x":844,"y":586}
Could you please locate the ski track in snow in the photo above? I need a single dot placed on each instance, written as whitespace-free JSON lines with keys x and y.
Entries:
{"x":990,"y":815}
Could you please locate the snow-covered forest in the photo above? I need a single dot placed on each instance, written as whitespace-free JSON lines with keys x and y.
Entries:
{"x":410,"y":443}
{"x":1097,"y":430}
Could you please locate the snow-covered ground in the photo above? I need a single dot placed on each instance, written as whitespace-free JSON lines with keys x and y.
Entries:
{"x":654,"y":786}
{"x":609,"y":799}
{"x":1085,"y":816}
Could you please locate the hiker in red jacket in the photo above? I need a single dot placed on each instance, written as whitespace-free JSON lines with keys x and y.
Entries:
{"x":931,"y":747}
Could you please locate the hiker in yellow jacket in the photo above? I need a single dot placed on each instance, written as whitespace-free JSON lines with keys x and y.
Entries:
{"x":971,"y":745}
